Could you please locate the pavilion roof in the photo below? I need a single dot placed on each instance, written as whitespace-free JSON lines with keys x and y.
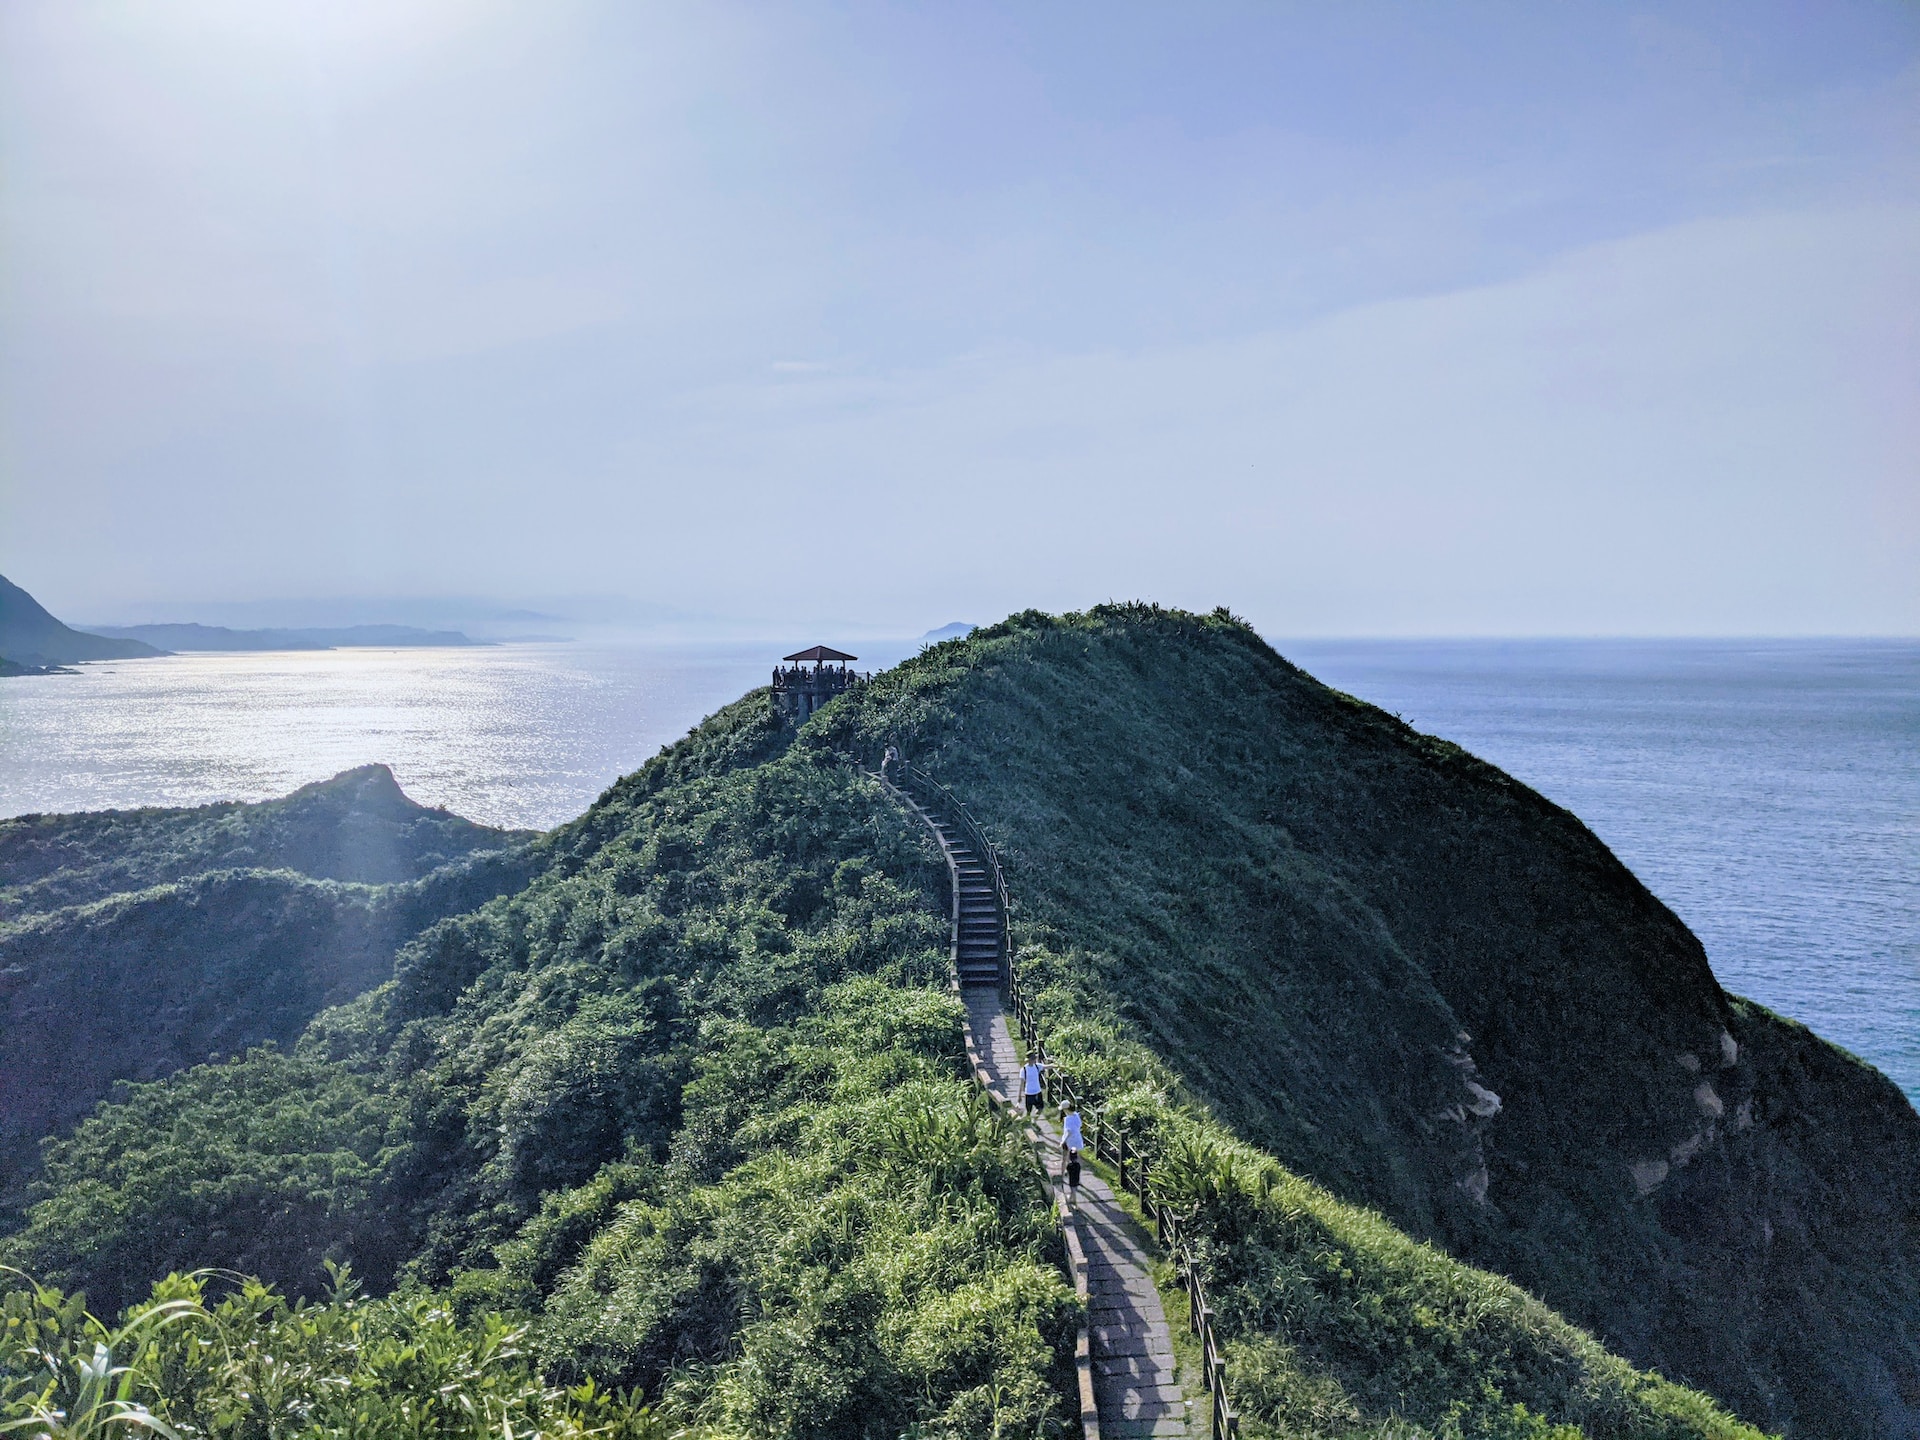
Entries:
{"x":821,"y":653}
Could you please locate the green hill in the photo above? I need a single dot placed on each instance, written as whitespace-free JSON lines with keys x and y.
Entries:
{"x":1348,"y":939}
{"x":358,"y":826}
{"x":691,"y":1100}
{"x":134,"y":943}
{"x":691,"y":1103}
{"x":30,"y":636}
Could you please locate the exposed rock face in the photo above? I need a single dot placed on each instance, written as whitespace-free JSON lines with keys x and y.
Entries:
{"x":1706,"y":1102}
{"x":1647,"y":1174}
{"x":1484,"y":1103}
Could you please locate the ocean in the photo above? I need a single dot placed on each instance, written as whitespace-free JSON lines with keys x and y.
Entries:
{"x":1768,"y":791}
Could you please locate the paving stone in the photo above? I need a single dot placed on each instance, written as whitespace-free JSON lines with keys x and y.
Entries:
{"x":1118,"y":1429}
{"x":1135,"y":1387}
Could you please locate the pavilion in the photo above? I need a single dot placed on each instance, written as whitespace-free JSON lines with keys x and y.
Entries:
{"x":798,"y":691}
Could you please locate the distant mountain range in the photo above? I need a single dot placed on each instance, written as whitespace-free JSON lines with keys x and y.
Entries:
{"x":32,"y":641}
{"x":219,"y":637}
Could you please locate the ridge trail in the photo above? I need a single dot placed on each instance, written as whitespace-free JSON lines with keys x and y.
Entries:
{"x":1136,"y":1386}
{"x":1135,"y":1383}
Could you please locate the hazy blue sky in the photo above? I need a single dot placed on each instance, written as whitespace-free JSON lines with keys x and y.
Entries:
{"x":1357,"y":318}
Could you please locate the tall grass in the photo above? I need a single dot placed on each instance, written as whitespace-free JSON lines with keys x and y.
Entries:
{"x":253,"y":1366}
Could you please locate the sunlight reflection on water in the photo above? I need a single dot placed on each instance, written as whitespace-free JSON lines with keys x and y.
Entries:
{"x":1769,"y":792}
{"x":519,"y":735}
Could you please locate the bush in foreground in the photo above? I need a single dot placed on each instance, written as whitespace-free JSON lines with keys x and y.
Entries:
{"x":253,"y":1366}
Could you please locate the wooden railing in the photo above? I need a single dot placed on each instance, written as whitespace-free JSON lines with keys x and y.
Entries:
{"x":1070,"y":1230}
{"x":944,"y":800}
{"x":1076,"y":1263}
{"x":1112,"y":1143}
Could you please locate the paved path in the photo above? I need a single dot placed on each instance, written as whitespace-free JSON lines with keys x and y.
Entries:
{"x":1134,"y":1382}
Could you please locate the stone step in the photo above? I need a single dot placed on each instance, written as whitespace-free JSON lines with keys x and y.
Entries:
{"x":1154,"y":1370}
{"x":1131,"y":1402}
{"x":1141,"y":1429}
{"x":1135,"y":1384}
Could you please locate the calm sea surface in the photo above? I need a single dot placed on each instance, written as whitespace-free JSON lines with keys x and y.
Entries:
{"x":515,"y":735}
{"x":1769,"y":792}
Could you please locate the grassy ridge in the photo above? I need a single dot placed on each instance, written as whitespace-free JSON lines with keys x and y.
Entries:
{"x":1408,"y":976}
{"x":169,"y":935}
{"x":356,"y":827}
{"x":691,"y":1107}
{"x":1338,"y":1322}
{"x":208,"y":966}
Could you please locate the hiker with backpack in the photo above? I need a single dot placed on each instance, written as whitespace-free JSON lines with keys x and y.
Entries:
{"x":1030,"y":1077}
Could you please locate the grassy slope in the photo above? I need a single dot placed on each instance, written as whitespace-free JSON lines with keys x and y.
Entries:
{"x":358,"y":826}
{"x":133,"y":943}
{"x":690,"y":1101}
{"x":1329,"y":925}
{"x":693,"y":1100}
{"x":137,"y":986}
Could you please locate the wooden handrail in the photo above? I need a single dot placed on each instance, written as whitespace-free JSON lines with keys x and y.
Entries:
{"x":1069,"y":1223}
{"x":1113,"y":1143}
{"x":1110,"y":1143}
{"x":989,"y":855}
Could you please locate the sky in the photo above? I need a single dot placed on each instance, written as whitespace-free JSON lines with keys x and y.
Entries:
{"x":1359,"y":319}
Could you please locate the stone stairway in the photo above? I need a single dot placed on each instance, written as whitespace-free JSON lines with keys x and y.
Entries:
{"x":980,"y":950}
{"x":1135,"y":1384}
{"x":1136,"y":1387}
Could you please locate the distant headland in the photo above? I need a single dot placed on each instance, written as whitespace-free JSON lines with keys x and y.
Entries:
{"x":34,"y":642}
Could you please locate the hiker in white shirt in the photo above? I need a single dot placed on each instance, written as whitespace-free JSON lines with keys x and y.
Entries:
{"x":1071,"y":1143}
{"x":1030,"y":1074}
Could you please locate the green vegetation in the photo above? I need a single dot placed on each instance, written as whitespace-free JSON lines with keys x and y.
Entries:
{"x":358,"y":826}
{"x":685,"y":1113}
{"x":160,"y":934}
{"x":1337,"y":1321}
{"x":251,"y":1366}
{"x":691,"y":1107}
{"x":1412,"y":979}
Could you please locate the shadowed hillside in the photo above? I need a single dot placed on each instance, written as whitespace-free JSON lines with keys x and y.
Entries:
{"x":31,"y":637}
{"x":134,"y":943}
{"x":1412,"y":978}
{"x":358,"y":826}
